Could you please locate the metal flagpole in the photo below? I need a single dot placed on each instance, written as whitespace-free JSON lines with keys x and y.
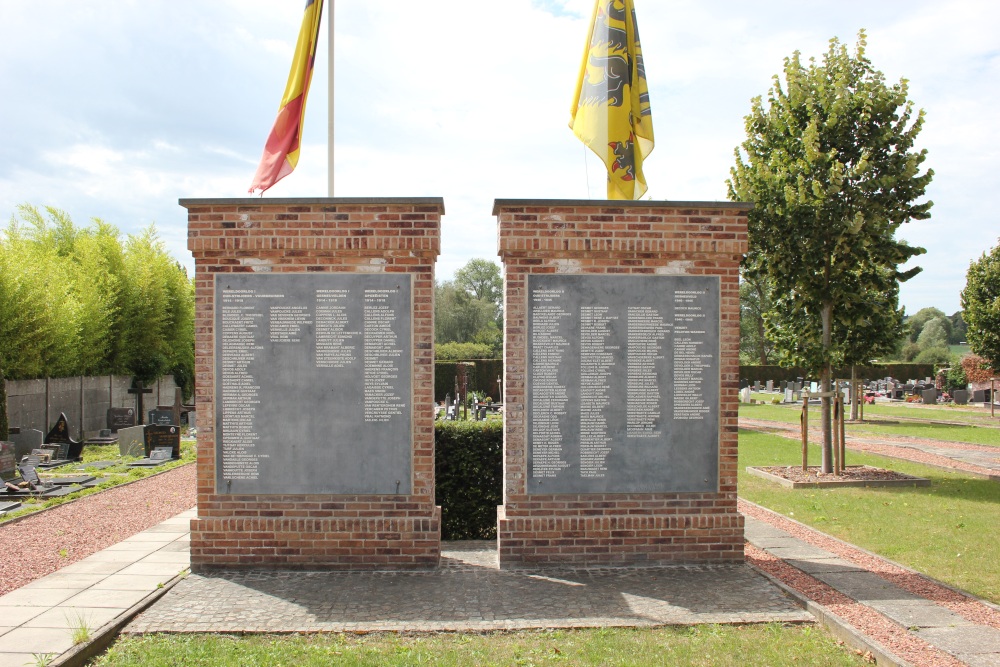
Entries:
{"x":329,"y":94}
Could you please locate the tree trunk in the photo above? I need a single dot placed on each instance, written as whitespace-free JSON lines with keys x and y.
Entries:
{"x":855,"y":395}
{"x":824,"y":387}
{"x":3,"y":407}
{"x":760,"y":326}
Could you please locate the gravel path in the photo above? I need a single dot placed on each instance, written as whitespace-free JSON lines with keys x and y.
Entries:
{"x":40,"y":544}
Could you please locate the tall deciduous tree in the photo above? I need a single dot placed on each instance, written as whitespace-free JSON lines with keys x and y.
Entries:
{"x":482,"y":279}
{"x":981,"y":306}
{"x":755,"y":301}
{"x":830,"y":164}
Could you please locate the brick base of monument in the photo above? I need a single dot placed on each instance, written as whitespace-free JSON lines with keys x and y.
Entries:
{"x":607,"y":239}
{"x":310,"y":544}
{"x":618,"y":539}
{"x":298,"y":528}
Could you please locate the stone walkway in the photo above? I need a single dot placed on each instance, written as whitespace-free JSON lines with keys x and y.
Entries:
{"x":469,"y":592}
{"x":40,"y":618}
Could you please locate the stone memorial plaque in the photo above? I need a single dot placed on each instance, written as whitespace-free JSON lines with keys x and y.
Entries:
{"x":59,"y":450}
{"x":60,"y":431}
{"x":161,"y":454}
{"x":120,"y":418}
{"x":163,"y":436}
{"x":161,"y":417}
{"x":132,"y":441}
{"x":313,"y":385}
{"x":623,"y":384}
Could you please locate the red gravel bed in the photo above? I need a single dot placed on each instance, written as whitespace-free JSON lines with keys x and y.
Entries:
{"x":897,"y":639}
{"x":32,"y":545}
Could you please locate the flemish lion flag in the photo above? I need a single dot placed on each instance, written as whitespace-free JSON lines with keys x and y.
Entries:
{"x":281,"y":152}
{"x":611,"y":112}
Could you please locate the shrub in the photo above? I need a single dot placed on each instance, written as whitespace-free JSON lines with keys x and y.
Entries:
{"x":468,"y":465}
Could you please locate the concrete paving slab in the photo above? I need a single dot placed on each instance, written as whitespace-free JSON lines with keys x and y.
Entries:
{"x":131,"y":582}
{"x":919,"y":613}
{"x":982,"y":640}
{"x":15,"y":616}
{"x":168,"y":528}
{"x":151,"y":537}
{"x":112,"y":557}
{"x":980,"y":659}
{"x":179,"y":546}
{"x":800,"y":550}
{"x":158,"y":569}
{"x":865,"y":587}
{"x":4,"y":630}
{"x":818,"y":565}
{"x":181,"y":558}
{"x":61,"y":579}
{"x":68,"y":618}
{"x":16,"y":659}
{"x":37,"y":597}
{"x":106,"y":598}
{"x":36,"y":640}
{"x":135,"y":547}
{"x":755,"y":530}
{"x":93,"y":566}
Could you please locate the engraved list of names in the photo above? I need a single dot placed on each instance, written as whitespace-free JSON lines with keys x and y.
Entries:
{"x":623,"y":384}
{"x":313,"y":383}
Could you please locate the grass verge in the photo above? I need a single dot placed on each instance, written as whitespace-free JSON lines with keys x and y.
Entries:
{"x":720,"y":646}
{"x":947,"y":530}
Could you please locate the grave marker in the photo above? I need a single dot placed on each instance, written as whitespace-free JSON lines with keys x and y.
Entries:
{"x":161,"y":436}
{"x":120,"y":418}
{"x":139,"y":390}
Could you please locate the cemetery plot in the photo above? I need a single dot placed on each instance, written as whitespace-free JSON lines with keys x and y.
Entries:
{"x":69,"y":449}
{"x":119,"y":418}
{"x":313,"y":385}
{"x":623,"y":384}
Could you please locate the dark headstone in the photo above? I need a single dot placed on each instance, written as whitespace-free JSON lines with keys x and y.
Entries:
{"x":138,"y":390}
{"x":8,"y":463}
{"x":161,"y":417}
{"x":929,"y":396}
{"x":160,"y":436}
{"x":979,"y":396}
{"x":960,"y":396}
{"x":120,"y":418}
{"x":26,"y":440}
{"x":60,"y":435}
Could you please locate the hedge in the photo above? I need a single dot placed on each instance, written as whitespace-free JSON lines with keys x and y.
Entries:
{"x":468,"y":466}
{"x":483,"y":375}
{"x":902,"y":372}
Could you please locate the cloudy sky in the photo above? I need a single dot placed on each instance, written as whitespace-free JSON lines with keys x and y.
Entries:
{"x":118,"y":108}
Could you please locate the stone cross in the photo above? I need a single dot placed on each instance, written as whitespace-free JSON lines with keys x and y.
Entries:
{"x":139,"y":390}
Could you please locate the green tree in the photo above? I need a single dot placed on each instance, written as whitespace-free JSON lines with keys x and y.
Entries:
{"x":916,"y":322}
{"x":755,"y":301}
{"x":830,"y":165}
{"x":981,"y":306}
{"x":935,"y":333}
{"x":958,"y":329}
{"x":459,"y":315}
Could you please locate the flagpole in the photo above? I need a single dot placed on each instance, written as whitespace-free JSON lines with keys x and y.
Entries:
{"x":329,"y":94}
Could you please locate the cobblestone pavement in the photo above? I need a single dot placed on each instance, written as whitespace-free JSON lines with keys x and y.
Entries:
{"x":469,"y":592}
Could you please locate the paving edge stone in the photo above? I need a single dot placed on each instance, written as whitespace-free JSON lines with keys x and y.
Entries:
{"x":838,"y":627}
{"x":102,"y":638}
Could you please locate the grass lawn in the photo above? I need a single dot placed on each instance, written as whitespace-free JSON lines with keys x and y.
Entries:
{"x":950,"y":432}
{"x":117,"y":475}
{"x":703,"y":645}
{"x":947,"y":531}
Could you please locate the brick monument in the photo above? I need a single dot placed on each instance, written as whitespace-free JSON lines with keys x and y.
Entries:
{"x":621,"y":355}
{"x":314,"y":338}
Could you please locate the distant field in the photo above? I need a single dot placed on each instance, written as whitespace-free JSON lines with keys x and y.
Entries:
{"x":960,"y":350}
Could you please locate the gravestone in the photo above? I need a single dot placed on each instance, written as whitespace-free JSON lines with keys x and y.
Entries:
{"x":789,"y":395}
{"x":770,"y":385}
{"x":192,"y":419}
{"x":745,"y":395}
{"x":163,"y":436}
{"x":929,"y":396}
{"x":960,"y":396}
{"x":132,"y":441}
{"x":139,"y":391}
{"x":59,"y":434}
{"x":120,"y":418}
{"x":8,"y":463}
{"x":161,"y":417}
{"x":25,"y":440}
{"x":979,"y":396}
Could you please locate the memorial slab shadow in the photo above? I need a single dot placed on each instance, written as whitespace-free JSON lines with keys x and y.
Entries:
{"x":463,"y":592}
